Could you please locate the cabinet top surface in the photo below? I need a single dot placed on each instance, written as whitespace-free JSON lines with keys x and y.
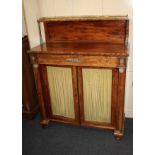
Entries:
{"x":81,"y":49}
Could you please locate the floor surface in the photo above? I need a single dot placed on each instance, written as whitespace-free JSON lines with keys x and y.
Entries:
{"x":60,"y":139}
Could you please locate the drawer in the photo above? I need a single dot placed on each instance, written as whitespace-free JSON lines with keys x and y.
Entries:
{"x":76,"y":60}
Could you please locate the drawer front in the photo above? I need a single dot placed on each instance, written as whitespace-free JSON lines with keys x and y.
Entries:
{"x":96,"y":61}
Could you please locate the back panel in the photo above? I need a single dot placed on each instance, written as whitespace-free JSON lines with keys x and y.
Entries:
{"x":107,"y":31}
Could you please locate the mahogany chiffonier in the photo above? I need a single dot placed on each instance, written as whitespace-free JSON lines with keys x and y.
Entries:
{"x":80,"y":71}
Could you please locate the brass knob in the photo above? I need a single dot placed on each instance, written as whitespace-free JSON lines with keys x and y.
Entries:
{"x":72,"y":60}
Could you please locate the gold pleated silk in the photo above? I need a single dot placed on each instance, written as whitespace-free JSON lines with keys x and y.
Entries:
{"x":61,"y":91}
{"x":97,"y":87}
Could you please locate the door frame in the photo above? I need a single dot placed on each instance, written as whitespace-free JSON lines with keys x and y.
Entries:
{"x":47,"y":99}
{"x":111,"y":125}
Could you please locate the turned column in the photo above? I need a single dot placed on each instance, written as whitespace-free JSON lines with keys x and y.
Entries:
{"x":119,"y":131}
{"x":36,"y":69}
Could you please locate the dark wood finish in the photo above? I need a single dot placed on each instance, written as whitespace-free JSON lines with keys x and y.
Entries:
{"x":127,"y":32}
{"x":83,"y":42}
{"x":114,"y":95}
{"x":45,"y":89}
{"x":98,"y":125}
{"x":65,"y":121}
{"x":80,"y":90}
{"x":77,"y":60}
{"x":120,"y":106}
{"x":79,"y":48}
{"x":75,"y":93}
{"x":29,"y":96}
{"x":43,"y":111}
{"x":111,"y":31}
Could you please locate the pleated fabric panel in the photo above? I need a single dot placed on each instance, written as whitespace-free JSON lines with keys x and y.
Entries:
{"x":97,"y":89}
{"x":61,"y":91}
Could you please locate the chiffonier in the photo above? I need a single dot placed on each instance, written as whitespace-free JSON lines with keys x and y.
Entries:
{"x":80,"y":71}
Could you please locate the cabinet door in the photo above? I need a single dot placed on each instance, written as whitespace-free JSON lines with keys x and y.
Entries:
{"x":62,"y":93}
{"x":97,"y":100}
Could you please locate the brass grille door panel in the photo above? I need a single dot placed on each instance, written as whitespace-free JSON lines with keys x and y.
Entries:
{"x":61,"y":91}
{"x":97,"y":91}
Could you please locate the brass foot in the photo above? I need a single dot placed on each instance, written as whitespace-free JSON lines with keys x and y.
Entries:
{"x":118,"y":134}
{"x":44,"y":123}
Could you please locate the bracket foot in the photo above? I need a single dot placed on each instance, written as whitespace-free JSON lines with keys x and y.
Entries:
{"x":44,"y":123}
{"x":118,"y":134}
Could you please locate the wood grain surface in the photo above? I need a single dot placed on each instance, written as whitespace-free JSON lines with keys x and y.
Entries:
{"x":111,"y":31}
{"x":79,"y":48}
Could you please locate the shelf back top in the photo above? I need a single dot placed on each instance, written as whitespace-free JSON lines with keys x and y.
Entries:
{"x":106,"y":29}
{"x":82,"y":18}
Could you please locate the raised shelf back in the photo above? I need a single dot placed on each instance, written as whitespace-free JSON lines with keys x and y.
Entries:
{"x":107,"y":30}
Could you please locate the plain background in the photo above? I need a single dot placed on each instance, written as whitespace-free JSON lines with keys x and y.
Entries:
{"x":11,"y":77}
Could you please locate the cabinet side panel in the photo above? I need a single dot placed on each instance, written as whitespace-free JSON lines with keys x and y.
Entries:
{"x":97,"y":87}
{"x":61,"y":91}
